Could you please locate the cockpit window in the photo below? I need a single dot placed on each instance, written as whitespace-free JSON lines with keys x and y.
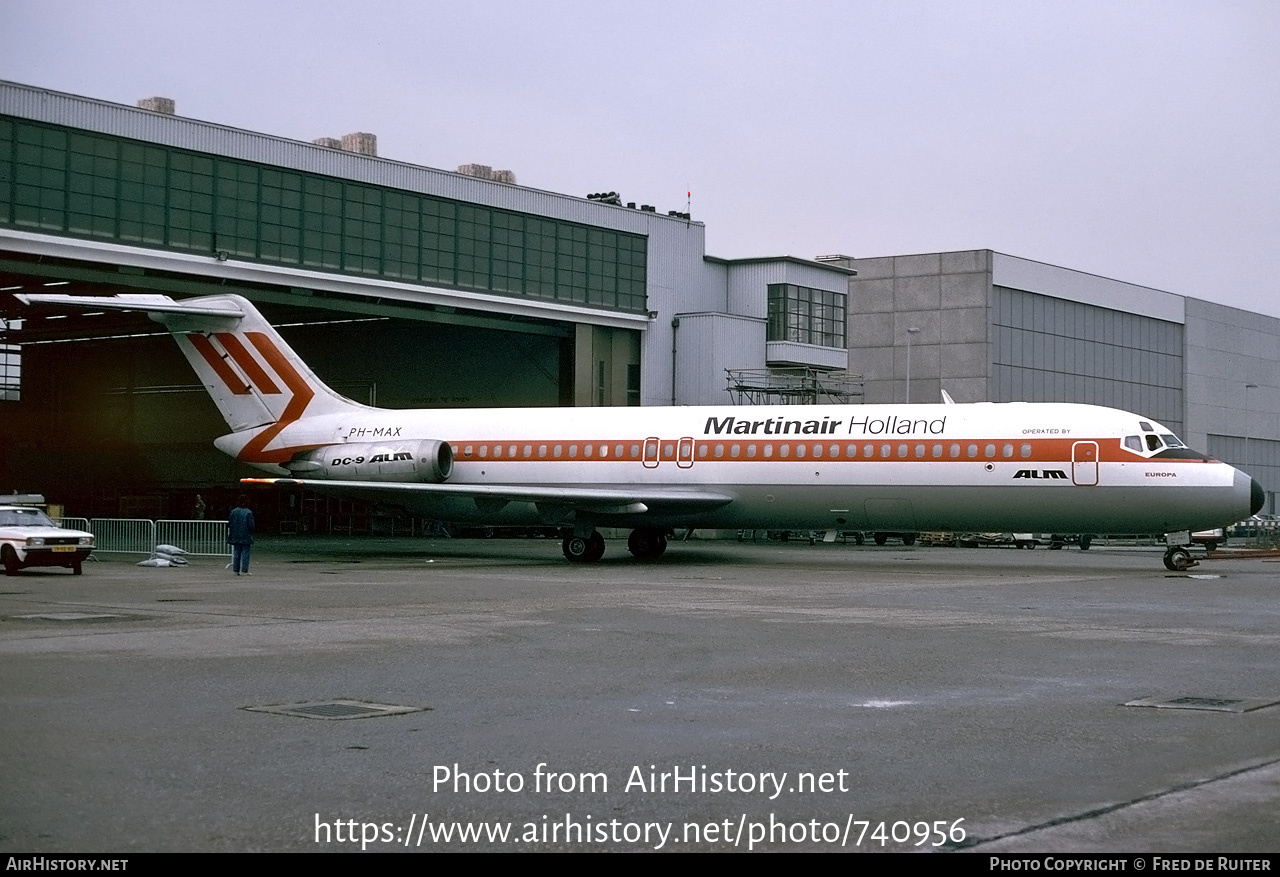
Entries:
{"x":1146,"y":427}
{"x":1172,"y":440}
{"x":1133,"y":443}
{"x":1153,"y":443}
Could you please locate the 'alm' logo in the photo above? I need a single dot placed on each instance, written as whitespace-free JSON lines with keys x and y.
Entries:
{"x":1040,"y":473}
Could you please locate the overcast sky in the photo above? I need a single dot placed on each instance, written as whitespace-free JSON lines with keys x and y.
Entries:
{"x":1136,"y":140}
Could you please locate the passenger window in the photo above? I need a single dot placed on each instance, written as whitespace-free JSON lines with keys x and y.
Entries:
{"x":784,"y":450}
{"x":1026,"y":449}
{"x":955,"y":451}
{"x":751,"y":449}
{"x":800,"y":449}
{"x":719,"y":450}
{"x":768,"y":450}
{"x":972,"y":450}
{"x":528,"y":450}
{"x":834,"y":451}
{"x":868,"y":450}
{"x":735,"y":450}
{"x":851,"y":450}
{"x":467,"y":451}
{"x":1007,"y":450}
{"x":919,"y":452}
{"x":989,"y":450}
{"x":937,"y":451}
{"x":817,"y":450}
{"x":557,"y":450}
{"x":668,"y":451}
{"x":886,"y":451}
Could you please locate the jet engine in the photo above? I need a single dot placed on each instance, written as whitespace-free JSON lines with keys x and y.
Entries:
{"x":428,"y":460}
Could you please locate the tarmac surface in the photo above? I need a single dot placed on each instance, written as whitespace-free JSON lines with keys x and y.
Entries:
{"x":796,"y":697}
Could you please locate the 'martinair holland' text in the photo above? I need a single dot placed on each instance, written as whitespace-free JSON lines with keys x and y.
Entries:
{"x":890,"y":425}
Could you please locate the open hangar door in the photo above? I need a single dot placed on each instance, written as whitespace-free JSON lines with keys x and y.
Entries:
{"x":108,"y":419}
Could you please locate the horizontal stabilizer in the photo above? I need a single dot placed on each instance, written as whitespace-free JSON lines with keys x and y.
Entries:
{"x":150,"y":304}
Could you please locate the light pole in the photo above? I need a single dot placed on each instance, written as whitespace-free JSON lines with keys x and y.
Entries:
{"x":912,"y":330}
{"x":1247,"y":388}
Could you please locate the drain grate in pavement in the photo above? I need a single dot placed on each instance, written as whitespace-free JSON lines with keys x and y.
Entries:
{"x":1212,"y":704}
{"x":336,"y":709}
{"x":68,"y":616}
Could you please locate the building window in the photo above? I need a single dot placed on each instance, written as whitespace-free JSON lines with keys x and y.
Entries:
{"x":10,"y":372}
{"x":102,"y":187}
{"x":806,"y":316}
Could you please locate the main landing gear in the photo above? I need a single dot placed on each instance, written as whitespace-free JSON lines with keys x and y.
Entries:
{"x":647,"y":543}
{"x":583,"y":549}
{"x":644,"y":543}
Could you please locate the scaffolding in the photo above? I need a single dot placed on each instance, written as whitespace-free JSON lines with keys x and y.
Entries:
{"x":798,"y":385}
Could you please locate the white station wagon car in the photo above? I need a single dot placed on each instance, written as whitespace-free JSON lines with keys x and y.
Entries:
{"x":29,"y":538}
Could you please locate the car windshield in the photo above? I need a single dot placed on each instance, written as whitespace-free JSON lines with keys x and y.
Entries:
{"x":24,"y":518}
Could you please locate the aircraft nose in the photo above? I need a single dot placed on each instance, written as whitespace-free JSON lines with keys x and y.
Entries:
{"x":1257,"y":497}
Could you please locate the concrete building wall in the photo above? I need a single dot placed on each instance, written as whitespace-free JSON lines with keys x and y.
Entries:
{"x":946,"y":296}
{"x":1226,"y":350}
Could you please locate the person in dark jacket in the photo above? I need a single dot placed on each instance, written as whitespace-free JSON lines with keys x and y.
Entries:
{"x":240,"y":526}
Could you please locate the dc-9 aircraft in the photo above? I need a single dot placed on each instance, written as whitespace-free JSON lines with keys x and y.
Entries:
{"x":1016,"y":466}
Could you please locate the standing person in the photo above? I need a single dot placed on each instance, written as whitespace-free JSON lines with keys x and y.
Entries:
{"x":240,"y":526}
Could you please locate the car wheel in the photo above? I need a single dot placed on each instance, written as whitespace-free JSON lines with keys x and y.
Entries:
{"x":10,"y":559}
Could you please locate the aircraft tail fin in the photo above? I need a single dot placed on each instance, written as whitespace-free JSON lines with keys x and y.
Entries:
{"x":253,"y":376}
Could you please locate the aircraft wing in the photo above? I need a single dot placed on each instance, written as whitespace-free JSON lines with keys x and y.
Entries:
{"x":601,"y":500}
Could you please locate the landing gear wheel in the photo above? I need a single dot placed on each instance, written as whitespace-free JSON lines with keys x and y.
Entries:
{"x":909,"y":539}
{"x":647,"y":543}
{"x":1177,"y":559}
{"x":583,"y":549}
{"x":880,"y":538}
{"x":11,"y":562}
{"x":1085,"y":542}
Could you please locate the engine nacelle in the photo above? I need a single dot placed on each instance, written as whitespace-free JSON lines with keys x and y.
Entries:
{"x":428,"y":460}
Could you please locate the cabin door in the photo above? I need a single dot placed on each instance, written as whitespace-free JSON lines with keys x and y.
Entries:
{"x":684,"y":453}
{"x":1084,"y":463}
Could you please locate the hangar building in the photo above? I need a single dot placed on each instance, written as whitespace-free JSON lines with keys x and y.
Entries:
{"x":988,"y":327}
{"x":402,"y":285}
{"x":408,"y":286}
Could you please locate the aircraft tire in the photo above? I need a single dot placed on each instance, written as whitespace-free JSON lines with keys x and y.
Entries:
{"x":1085,"y":542}
{"x":583,"y":549}
{"x":909,"y":539}
{"x":647,"y":543}
{"x":1177,"y":559}
{"x":880,"y":538}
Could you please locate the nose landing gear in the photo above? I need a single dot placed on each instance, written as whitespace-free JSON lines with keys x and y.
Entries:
{"x":1178,"y":559}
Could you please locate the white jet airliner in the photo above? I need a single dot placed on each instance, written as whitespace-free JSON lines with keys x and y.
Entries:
{"x":968,"y":467}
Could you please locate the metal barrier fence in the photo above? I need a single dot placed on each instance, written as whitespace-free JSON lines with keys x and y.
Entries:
{"x":132,"y":535}
{"x":194,"y":537}
{"x":73,"y":523}
{"x":141,"y":536}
